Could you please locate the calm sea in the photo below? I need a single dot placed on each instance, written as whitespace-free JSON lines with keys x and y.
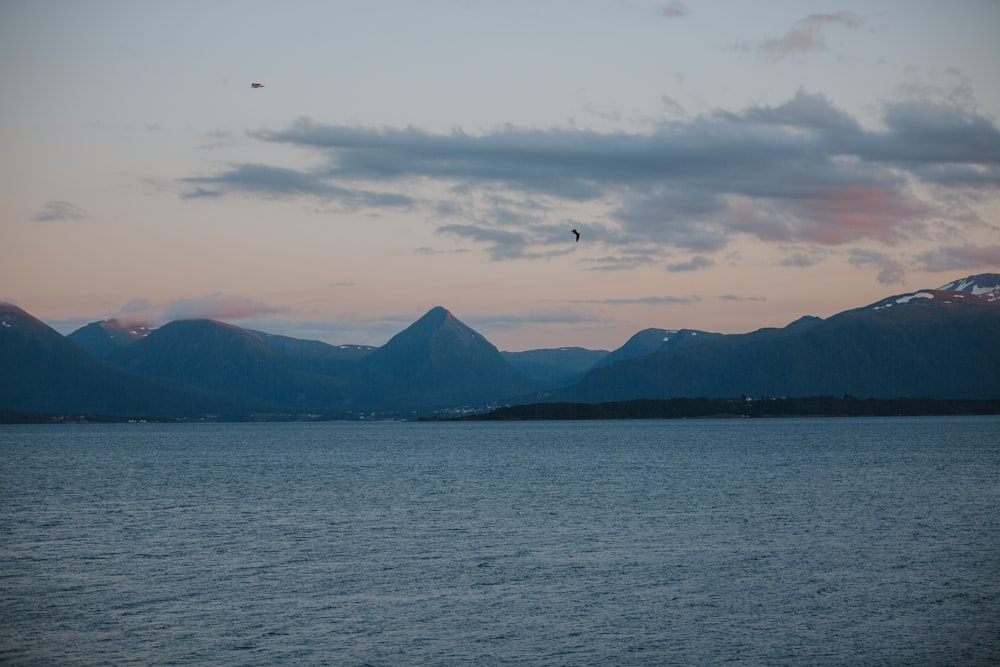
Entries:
{"x":701,"y":542}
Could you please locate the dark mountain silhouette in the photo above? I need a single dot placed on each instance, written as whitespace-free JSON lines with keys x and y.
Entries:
{"x":102,"y":339}
{"x":651,"y":341}
{"x":939,"y":344}
{"x":41,"y":371}
{"x":724,"y":408}
{"x":227,"y":362}
{"x":555,"y":367}
{"x":106,"y":338}
{"x":985,"y":285}
{"x":313,"y":356}
{"x":929,"y":344}
{"x":436,"y":362}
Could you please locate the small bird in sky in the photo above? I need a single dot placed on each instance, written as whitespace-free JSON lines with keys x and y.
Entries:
{"x":256,"y":85}
{"x":577,"y":235}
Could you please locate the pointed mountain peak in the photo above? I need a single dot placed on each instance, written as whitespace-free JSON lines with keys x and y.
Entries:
{"x":9,"y":312}
{"x":14,"y":319}
{"x":135,"y":328}
{"x":441,"y":327}
{"x":439,"y":360}
{"x":104,"y":337}
{"x":436,"y":316}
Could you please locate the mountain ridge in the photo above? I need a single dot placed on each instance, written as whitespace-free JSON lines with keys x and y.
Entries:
{"x":443,"y":362}
{"x":934,"y":343}
{"x":42,"y":371}
{"x":929,"y":343}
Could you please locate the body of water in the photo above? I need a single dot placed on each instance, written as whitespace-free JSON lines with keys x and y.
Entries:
{"x":698,"y":542}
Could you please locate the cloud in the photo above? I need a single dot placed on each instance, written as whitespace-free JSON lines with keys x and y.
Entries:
{"x":734,"y":297}
{"x":803,"y":257}
{"x":802,"y":173}
{"x":890,"y":271}
{"x":503,"y":244}
{"x":58,"y":210}
{"x":139,"y":311}
{"x":955,"y":258}
{"x":279,"y":182}
{"x":429,"y":251}
{"x":673,"y":10}
{"x":647,"y":301}
{"x":217,"y":307}
{"x":624,"y":262}
{"x":922,"y":134}
{"x":694,"y":264}
{"x":806,"y":35}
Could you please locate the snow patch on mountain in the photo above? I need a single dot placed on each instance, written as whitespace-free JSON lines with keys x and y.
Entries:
{"x":985,"y":285}
{"x":901,"y":300}
{"x":918,"y":295}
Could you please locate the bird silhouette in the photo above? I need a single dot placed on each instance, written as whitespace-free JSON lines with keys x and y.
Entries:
{"x":577,"y":235}
{"x":256,"y":85}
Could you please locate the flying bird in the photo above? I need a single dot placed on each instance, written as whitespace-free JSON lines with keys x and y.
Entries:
{"x":577,"y":235}
{"x":256,"y":85}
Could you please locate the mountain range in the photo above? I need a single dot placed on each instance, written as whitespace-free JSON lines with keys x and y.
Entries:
{"x":936,"y":343}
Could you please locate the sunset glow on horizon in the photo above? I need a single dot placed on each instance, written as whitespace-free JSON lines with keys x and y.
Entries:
{"x":729,"y":166}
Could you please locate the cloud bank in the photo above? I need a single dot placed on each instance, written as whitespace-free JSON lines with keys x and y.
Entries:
{"x":219,"y":306}
{"x":803,"y":174}
{"x":216,"y":306}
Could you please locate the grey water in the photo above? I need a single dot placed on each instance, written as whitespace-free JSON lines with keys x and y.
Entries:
{"x":697,"y":542}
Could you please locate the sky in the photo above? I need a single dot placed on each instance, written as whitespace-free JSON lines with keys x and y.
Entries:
{"x":729,"y":165}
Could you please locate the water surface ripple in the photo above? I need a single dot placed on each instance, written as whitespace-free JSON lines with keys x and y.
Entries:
{"x":754,"y":542}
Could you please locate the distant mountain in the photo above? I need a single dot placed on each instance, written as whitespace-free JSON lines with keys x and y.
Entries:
{"x":437,"y":362}
{"x":651,"y":341}
{"x":937,"y":343}
{"x":933,"y":343}
{"x":41,"y":371}
{"x":313,"y":356}
{"x":555,"y":367}
{"x":102,"y":339}
{"x":985,"y":286}
{"x":106,"y":338}
{"x":228,"y":362}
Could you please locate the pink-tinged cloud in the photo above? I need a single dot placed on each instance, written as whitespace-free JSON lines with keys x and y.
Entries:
{"x":800,"y":173}
{"x":218,"y":307}
{"x":832,"y":216}
{"x":967,"y":257}
{"x":856,"y":213}
{"x":139,"y":311}
{"x":807,"y":35}
{"x":805,"y":38}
